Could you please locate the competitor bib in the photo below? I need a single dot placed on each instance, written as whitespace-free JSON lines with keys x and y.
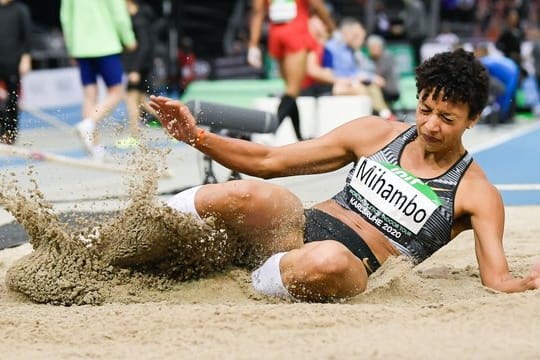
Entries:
{"x":391,"y":198}
{"x":282,"y":11}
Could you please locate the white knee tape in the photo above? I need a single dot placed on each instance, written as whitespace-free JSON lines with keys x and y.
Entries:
{"x":267,"y":279}
{"x":185,"y":202}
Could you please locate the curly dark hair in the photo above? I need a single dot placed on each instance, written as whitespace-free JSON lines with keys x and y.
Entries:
{"x":458,"y":75}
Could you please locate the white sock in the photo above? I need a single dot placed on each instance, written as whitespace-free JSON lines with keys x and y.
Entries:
{"x":88,"y":124}
{"x":267,"y":279}
{"x":185,"y":202}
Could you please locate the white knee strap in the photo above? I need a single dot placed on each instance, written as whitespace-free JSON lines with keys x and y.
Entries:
{"x":185,"y":202}
{"x":267,"y":279}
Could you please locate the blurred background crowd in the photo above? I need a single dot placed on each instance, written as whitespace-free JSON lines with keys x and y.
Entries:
{"x":197,"y":39}
{"x":209,"y":40}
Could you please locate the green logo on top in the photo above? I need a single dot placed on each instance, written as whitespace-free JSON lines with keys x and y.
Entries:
{"x":418,"y":184}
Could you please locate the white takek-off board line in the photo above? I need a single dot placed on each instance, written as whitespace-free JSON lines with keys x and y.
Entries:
{"x":518,"y":187}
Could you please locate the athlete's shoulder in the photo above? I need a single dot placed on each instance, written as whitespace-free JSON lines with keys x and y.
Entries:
{"x":370,"y":133}
{"x":380,"y":123}
{"x":475,"y":189}
{"x":377,"y":127}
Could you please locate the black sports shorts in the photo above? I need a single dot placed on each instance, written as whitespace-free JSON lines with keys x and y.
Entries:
{"x":322,"y":226}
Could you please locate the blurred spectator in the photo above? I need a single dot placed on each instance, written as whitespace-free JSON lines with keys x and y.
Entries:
{"x":289,"y":42}
{"x":186,"y":62}
{"x":346,"y":61}
{"x":512,"y":36}
{"x":504,"y":80}
{"x":415,"y":23}
{"x":384,"y":67}
{"x":95,"y":33}
{"x":319,"y":80}
{"x":383,"y":23}
{"x":15,"y":62}
{"x":138,"y":66}
{"x":535,"y":53}
{"x":458,"y":10}
{"x":387,"y":24}
{"x":447,"y":37}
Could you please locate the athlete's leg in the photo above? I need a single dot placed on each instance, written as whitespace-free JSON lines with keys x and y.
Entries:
{"x":133,"y":101}
{"x":90,"y":96}
{"x":10,"y":114}
{"x":378,"y":102}
{"x":321,"y":271}
{"x":266,"y":217}
{"x":110,"y":69}
{"x":293,"y":70}
{"x":112,"y":99}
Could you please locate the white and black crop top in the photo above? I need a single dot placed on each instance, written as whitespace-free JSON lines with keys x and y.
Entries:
{"x":415,"y":215}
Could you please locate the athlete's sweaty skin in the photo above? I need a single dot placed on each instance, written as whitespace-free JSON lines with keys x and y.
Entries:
{"x":271,"y":218}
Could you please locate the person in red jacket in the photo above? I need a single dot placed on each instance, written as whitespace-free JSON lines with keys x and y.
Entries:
{"x":289,"y":42}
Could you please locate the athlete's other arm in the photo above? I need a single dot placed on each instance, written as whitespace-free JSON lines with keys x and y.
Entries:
{"x":485,"y":205}
{"x":326,"y":153}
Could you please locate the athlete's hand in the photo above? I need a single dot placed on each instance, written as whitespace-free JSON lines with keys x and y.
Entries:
{"x":254,"y":57}
{"x":175,"y":118}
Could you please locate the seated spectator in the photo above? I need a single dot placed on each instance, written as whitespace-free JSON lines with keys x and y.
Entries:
{"x":334,"y":67}
{"x":504,"y":72}
{"x":319,"y":80}
{"x":385,"y":67}
{"x":447,"y":37}
{"x":511,"y":38}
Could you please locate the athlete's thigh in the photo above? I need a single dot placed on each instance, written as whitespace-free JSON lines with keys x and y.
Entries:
{"x":293,"y":70}
{"x":259,"y":212}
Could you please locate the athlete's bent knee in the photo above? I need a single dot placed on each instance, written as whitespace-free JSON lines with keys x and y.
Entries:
{"x":330,"y":260}
{"x":243,"y":194}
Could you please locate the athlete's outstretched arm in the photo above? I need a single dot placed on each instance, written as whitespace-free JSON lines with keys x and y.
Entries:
{"x":326,"y":153}
{"x":487,"y":219}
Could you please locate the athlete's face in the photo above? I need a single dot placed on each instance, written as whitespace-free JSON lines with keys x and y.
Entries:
{"x":441,"y":124}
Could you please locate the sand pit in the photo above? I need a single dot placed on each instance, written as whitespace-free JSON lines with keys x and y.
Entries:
{"x":108,"y":309}
{"x":437,"y":310}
